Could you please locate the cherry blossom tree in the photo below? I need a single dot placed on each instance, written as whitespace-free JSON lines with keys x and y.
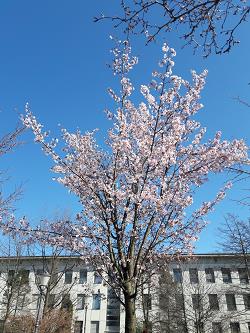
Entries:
{"x":207,"y":25}
{"x":135,"y":189}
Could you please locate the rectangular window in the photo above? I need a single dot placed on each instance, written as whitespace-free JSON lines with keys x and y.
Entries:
{"x":231,"y":303}
{"x":96,"y":302}
{"x":147,"y":303}
{"x":94,"y":327}
{"x":66,"y":302}
{"x":226,"y":275}
{"x":213,"y":302}
{"x":83,"y":276}
{"x":147,"y":326}
{"x":51,"y":301}
{"x":246,"y":298}
{"x":68,"y":277}
{"x":78,"y":326}
{"x":24,"y":276}
{"x":235,"y":327}
{"x":80,"y":302}
{"x":177,"y":275}
{"x":216,"y":327}
{"x":193,"y":274}
{"x":196,"y":301}
{"x":243,"y":275}
{"x":20,"y":302}
{"x":248,"y":324}
{"x":97,"y":279}
{"x":210,"y":275}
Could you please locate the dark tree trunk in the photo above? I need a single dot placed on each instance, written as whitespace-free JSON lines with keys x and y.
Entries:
{"x":130,"y":317}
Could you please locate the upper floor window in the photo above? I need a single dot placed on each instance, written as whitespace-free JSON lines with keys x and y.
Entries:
{"x":193,"y":274}
{"x":147,"y":303}
{"x":235,"y":327}
{"x":177,"y":275}
{"x":197,"y":302}
{"x":83,"y":276}
{"x":213,"y":301}
{"x":210,"y":275}
{"x":216,"y":327}
{"x":66,"y":302}
{"x":80,"y":302}
{"x":68,"y":277}
{"x":18,"y":277}
{"x":97,"y":279}
{"x":231,"y":303}
{"x":96,"y":302}
{"x":246,"y":298}
{"x":243,"y":275}
{"x":226,"y":275}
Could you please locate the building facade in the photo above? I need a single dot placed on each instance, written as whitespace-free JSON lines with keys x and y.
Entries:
{"x":208,"y":293}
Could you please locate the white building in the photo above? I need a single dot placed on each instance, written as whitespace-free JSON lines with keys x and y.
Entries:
{"x":214,"y":289}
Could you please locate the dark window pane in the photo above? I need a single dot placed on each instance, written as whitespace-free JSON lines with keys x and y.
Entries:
{"x":51,"y":301}
{"x":68,"y":277}
{"x":196,"y":301}
{"x":226,"y":275}
{"x":96,"y":302}
{"x":147,"y":304}
{"x":213,"y":301}
{"x":247,"y":301}
{"x":210,"y":275}
{"x":243,"y":275}
{"x":235,"y":327}
{"x":177,"y":275}
{"x":80,"y":302}
{"x":193,"y":274}
{"x":83,"y":276}
{"x":97,"y":279}
{"x":231,"y":303}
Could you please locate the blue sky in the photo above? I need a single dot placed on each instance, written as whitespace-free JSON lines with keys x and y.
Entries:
{"x":53,"y":56}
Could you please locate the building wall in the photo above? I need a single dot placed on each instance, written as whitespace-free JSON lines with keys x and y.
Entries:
{"x":110,"y":309}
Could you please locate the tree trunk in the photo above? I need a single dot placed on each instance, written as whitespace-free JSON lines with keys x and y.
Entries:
{"x":130,"y":317}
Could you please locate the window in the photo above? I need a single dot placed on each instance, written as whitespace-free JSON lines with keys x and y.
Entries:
{"x":94,"y":327}
{"x":216,"y":328}
{"x":97,"y":279}
{"x":147,"y":304}
{"x":231,"y":303}
{"x":177,"y":275}
{"x":18,"y":277}
{"x":20,"y":302}
{"x":210,"y":275}
{"x":246,"y":301}
{"x":66,"y":302}
{"x":83,"y":276}
{"x":96,"y":302}
{"x":196,"y":301}
{"x":193,"y":274}
{"x":51,"y":301}
{"x":243,"y":275}
{"x":248,"y":324}
{"x":226,"y":275}
{"x":213,"y":302}
{"x":78,"y":326}
{"x":235,"y":327}
{"x":68,"y":277}
{"x":80,"y":302}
